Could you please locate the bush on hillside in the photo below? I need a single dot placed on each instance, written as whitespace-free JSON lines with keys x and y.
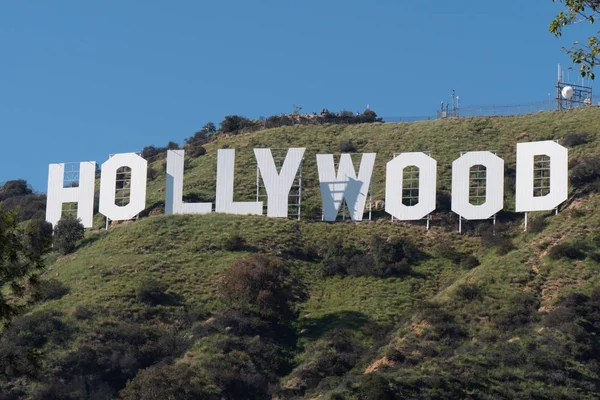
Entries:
{"x":469,"y":262}
{"x":276,"y":121}
{"x":38,"y":237}
{"x":336,"y":353}
{"x":111,"y":355}
{"x":516,"y":311}
{"x":585,"y":171}
{"x":83,"y":313}
{"x":375,"y":386}
{"x":37,"y":329}
{"x":264,"y":284}
{"x":536,"y":225}
{"x":17,"y":195}
{"x":176,"y":381}
{"x":468,"y":292}
{"x":67,"y":232}
{"x":570,"y":250}
{"x":21,"y":342}
{"x":150,"y":152}
{"x":234,"y":124}
{"x":444,"y":249}
{"x":346,"y":146}
{"x":172,"y":146}
{"x":442,"y":327}
{"x":152,"y":292}
{"x":234,"y":243}
{"x":151,"y":172}
{"x":14,"y":188}
{"x":497,"y":236}
{"x":153,"y":153}
{"x":384,"y":258}
{"x":394,"y":250}
{"x":575,"y":139}
{"x":195,"y":150}
{"x":49,"y":290}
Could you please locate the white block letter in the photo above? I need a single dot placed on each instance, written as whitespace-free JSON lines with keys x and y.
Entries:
{"x":225,"y":172}
{"x":427,"y":185}
{"x":345,"y":184}
{"x":137,"y":190}
{"x":494,"y":185}
{"x":83,"y":195}
{"x":278,"y":185}
{"x":559,"y":179}
{"x":173,"y":202}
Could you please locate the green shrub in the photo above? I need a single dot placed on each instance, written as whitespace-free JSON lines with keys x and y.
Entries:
{"x":585,"y":171}
{"x":264,"y":284}
{"x":570,"y":250}
{"x":234,"y":124}
{"x":332,"y":355}
{"x":67,"y":232}
{"x":234,"y":243}
{"x":445,"y":250}
{"x":177,"y":381}
{"x":83,"y":313}
{"x":375,"y":387}
{"x":37,"y":329}
{"x":195,"y":150}
{"x":385,"y":258}
{"x":38,"y":237}
{"x":536,"y":225}
{"x":49,"y":290}
{"x":469,"y":262}
{"x":152,"y":292}
{"x":346,"y":146}
{"x":468,"y":292}
{"x":151,"y":173}
{"x":110,"y":356}
{"x":575,"y":139}
{"x":516,"y":311}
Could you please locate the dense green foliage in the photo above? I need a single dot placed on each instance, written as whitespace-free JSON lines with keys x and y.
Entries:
{"x":247,"y":307}
{"x":22,"y":248}
{"x":67,"y":232}
{"x":17,"y":195}
{"x":587,"y":53}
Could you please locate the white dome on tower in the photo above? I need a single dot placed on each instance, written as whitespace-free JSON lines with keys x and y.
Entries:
{"x":567,"y":92}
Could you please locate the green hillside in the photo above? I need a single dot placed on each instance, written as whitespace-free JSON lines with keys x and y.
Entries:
{"x":181,"y":307}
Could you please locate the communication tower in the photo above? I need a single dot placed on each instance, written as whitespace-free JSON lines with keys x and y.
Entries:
{"x":446,"y":111}
{"x":569,"y":95}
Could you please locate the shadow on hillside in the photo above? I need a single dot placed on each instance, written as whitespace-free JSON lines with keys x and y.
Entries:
{"x":157,"y":208}
{"x":91,"y":238}
{"x":344,"y":320}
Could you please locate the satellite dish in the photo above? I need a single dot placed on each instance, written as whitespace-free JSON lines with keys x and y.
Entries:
{"x":567,"y":92}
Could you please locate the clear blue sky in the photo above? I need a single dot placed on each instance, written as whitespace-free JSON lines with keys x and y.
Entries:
{"x":80,"y":79}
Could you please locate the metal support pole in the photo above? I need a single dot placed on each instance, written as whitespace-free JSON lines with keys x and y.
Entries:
{"x":427,"y":221}
{"x":459,"y":224}
{"x":370,"y":198}
{"x":257,"y":183}
{"x":494,"y":224}
{"x":300,"y":191}
{"x":525,"y":227}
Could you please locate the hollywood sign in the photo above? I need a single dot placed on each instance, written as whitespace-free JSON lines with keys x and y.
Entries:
{"x":336,"y":186}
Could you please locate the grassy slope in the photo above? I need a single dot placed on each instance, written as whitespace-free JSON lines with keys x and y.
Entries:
{"x":187,"y":251}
